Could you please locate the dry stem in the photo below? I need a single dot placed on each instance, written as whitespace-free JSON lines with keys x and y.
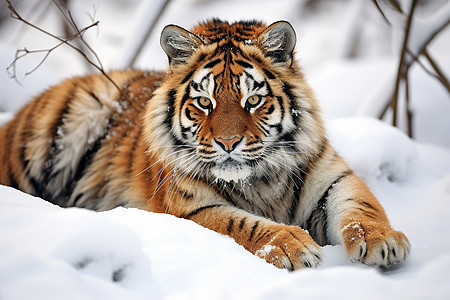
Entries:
{"x":78,"y":34}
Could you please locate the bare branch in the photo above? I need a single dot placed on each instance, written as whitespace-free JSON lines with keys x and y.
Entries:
{"x":439,"y":75}
{"x":409,"y":114}
{"x":396,"y":5}
{"x":402,"y":66}
{"x":38,"y":7}
{"x":77,"y":35}
{"x":381,"y":12}
{"x":22,"y":52}
{"x":433,"y":34}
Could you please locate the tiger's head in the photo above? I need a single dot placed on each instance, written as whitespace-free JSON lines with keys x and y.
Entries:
{"x":235,"y":105}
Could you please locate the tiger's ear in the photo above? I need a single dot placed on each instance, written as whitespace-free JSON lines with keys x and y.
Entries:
{"x":179,"y":44}
{"x":278,"y":42}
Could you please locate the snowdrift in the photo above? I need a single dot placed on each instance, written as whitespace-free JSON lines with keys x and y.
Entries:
{"x":47,"y":252}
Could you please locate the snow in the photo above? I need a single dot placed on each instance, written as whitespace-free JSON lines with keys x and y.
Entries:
{"x":47,"y":252}
{"x":134,"y":254}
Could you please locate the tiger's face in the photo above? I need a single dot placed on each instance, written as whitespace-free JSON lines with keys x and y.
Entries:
{"x":231,"y":101}
{"x":230,"y":115}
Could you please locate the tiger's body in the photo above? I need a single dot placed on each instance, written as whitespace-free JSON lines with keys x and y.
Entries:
{"x":231,"y":138}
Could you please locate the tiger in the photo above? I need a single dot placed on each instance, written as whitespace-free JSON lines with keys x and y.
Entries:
{"x":230,"y":137}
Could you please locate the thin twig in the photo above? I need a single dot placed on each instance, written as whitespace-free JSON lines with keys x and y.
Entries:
{"x":22,"y":52}
{"x":35,"y":8}
{"x":396,"y":6}
{"x":99,"y":67}
{"x":409,"y":114}
{"x":381,"y":12}
{"x":404,"y":67}
{"x":384,"y":111}
{"x":401,"y":66}
{"x":69,"y":26}
{"x":440,"y":75}
{"x":431,"y":37}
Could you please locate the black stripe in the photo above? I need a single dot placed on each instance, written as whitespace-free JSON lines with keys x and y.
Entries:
{"x":244,"y":64}
{"x":11,"y":130}
{"x":256,"y":58}
{"x":253,"y":230}
{"x":287,"y":140}
{"x":252,"y":149}
{"x":203,"y":151}
{"x":368,"y":214}
{"x":54,"y":150}
{"x":184,"y":132}
{"x":202,"y":57}
{"x":206,"y":145}
{"x":269,"y":89}
{"x":269,"y":74}
{"x":261,"y":236}
{"x":12,"y":181}
{"x":253,"y":142}
{"x":200,"y":209}
{"x":188,"y":76}
{"x":85,"y":162}
{"x":39,"y":190}
{"x":186,"y":96}
{"x":205,"y":78}
{"x":242,"y":223}
{"x":287,"y":88}
{"x":187,"y":112}
{"x":77,"y":198}
{"x":195,"y":86}
{"x":326,"y":194}
{"x":212,"y":63}
{"x":298,"y":180}
{"x":278,"y":127}
{"x":230,"y":226}
{"x":170,"y":107}
{"x":280,"y":103}
{"x":256,"y":85}
{"x":94,"y":96}
{"x":187,"y":195}
{"x":317,"y":222}
{"x":315,"y":157}
{"x":368,"y":205}
{"x":264,"y":130}
{"x":25,"y":136}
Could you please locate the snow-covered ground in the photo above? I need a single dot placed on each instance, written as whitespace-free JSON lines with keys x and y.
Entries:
{"x":47,"y":252}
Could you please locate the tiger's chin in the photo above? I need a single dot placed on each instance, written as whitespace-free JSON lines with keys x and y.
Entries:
{"x":229,"y":172}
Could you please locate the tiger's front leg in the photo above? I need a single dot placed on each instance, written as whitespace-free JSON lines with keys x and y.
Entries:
{"x":359,"y":222}
{"x":284,"y":246}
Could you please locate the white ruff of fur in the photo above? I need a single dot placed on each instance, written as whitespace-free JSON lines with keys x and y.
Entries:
{"x":230,"y":173}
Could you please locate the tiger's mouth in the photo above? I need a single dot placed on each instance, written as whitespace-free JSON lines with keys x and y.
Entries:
{"x":231,"y":170}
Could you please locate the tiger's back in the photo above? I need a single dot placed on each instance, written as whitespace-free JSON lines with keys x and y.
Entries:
{"x":76,"y":143}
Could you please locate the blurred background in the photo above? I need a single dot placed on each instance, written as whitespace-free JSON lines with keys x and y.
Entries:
{"x":350,"y":50}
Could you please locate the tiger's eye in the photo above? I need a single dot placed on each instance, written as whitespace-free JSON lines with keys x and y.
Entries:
{"x":254,"y":100}
{"x":204,"y":102}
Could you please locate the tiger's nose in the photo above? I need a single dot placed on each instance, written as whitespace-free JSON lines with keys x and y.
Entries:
{"x":228,"y":144}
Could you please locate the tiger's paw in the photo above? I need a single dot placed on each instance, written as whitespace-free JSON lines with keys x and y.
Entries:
{"x":291,"y":248}
{"x":375,"y":245}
